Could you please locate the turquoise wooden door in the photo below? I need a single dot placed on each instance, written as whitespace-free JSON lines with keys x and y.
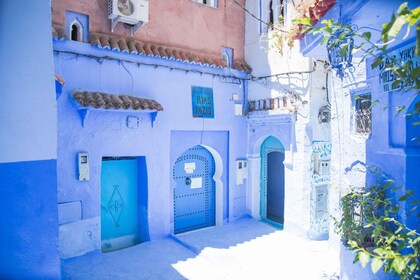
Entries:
{"x":119,"y":203}
{"x":272,"y":194}
{"x":194,"y":193}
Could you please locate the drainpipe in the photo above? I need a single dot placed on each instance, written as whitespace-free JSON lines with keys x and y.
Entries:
{"x":245,"y":106}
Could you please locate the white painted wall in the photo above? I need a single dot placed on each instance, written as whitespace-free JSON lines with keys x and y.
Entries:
{"x":303,"y":126}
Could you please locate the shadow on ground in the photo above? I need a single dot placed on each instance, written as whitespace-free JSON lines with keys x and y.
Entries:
{"x":231,"y":234}
{"x":158,"y":259}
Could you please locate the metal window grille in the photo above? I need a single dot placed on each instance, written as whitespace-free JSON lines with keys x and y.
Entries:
{"x":363,"y":114}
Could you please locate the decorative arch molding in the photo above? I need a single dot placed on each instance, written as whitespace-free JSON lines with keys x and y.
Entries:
{"x":218,"y":183}
{"x":79,"y":30}
{"x":271,"y":145}
{"x":259,"y":129}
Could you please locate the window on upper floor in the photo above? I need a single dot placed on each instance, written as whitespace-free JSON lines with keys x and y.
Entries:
{"x":362,"y":114}
{"x":272,"y":12}
{"x":76,"y":32}
{"x":211,"y":3}
{"x":77,"y":26}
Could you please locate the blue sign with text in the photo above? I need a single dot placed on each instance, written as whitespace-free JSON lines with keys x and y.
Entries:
{"x":202,"y":102}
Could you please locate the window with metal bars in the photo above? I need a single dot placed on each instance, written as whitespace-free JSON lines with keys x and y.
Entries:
{"x":363,"y":114}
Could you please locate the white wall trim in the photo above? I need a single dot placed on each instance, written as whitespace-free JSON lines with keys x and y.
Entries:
{"x":218,"y":183}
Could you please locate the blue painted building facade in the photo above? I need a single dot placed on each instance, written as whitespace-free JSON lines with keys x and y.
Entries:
{"x":158,"y":137}
{"x":389,"y":143}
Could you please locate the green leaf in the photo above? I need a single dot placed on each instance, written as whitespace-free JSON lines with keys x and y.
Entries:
{"x":376,"y":264}
{"x":374,"y":103}
{"x":303,"y":21}
{"x":418,"y":41}
{"x":396,"y":189}
{"x":398,"y":264}
{"x":396,"y":26}
{"x":305,"y":28}
{"x":380,"y":251}
{"x":367,"y":36}
{"x":403,"y":9}
{"x":377,"y":61}
{"x":364,"y":258}
{"x":415,"y":73}
{"x":325,"y":39}
{"x":404,"y":197}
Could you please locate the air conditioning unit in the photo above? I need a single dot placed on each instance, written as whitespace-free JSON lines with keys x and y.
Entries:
{"x":132,"y":12}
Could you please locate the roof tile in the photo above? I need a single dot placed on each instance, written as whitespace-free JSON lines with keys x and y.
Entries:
{"x":107,"y":101}
{"x":129,"y":45}
{"x":113,"y":41}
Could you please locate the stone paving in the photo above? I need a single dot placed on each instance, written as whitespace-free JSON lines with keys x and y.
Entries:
{"x":244,"y":249}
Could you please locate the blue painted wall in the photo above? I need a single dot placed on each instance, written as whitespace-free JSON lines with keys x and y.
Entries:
{"x":29,"y":223}
{"x":106,"y":133}
{"x":388,"y":147}
{"x":28,"y":143}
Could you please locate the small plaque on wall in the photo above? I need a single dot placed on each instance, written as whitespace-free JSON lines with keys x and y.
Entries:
{"x":202,"y":102}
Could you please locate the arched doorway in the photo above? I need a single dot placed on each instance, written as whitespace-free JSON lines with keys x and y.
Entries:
{"x":194,"y":193}
{"x":272,"y":182}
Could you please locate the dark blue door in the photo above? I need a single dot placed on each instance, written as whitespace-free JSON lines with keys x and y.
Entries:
{"x":272,"y":182}
{"x":119,"y":203}
{"x":275,"y":187}
{"x":194,"y":193}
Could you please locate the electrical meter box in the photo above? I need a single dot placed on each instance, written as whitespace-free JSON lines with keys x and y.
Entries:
{"x":83,"y":162}
{"x":321,"y":166}
{"x":241,"y":171}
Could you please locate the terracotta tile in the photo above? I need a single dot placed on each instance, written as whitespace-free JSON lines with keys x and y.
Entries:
{"x":104,"y":42}
{"x":168,"y":52}
{"x":162,"y":52}
{"x":94,"y":39}
{"x":147,"y":49}
{"x":132,"y":46}
{"x":122,"y":44}
{"x":113,"y":42}
{"x":176,"y":55}
{"x":129,"y":45}
{"x":183,"y":56}
{"x":155,"y":50}
{"x":140,"y":48}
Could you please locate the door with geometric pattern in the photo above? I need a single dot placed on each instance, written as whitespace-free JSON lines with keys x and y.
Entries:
{"x":119,"y":203}
{"x":194,"y":192}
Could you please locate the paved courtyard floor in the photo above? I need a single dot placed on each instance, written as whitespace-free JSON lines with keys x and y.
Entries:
{"x":244,"y":249}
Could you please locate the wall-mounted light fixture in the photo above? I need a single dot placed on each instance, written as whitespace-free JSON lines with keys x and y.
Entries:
{"x":340,"y":51}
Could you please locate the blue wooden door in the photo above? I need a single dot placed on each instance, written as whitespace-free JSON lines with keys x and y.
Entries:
{"x":194,"y":193}
{"x":119,"y":203}
{"x":275,"y":187}
{"x":272,"y":193}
